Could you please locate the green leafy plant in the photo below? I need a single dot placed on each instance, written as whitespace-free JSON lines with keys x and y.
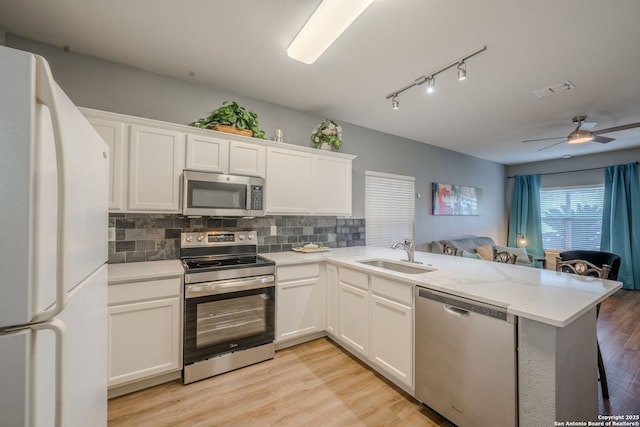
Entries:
{"x":231,"y":114}
{"x":329,"y":132}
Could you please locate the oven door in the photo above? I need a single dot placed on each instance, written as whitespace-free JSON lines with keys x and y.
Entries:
{"x":228,"y":315}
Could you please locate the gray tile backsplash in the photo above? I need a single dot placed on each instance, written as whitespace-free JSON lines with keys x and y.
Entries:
{"x":152,"y":237}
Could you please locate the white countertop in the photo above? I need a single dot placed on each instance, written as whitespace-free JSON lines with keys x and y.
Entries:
{"x":147,"y":270}
{"x":542,"y":295}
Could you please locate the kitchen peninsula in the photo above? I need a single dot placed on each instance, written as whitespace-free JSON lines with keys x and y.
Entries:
{"x":556,"y":328}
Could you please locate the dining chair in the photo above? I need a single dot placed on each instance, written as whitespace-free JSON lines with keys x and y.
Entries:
{"x":448,"y":249}
{"x":504,"y":257}
{"x":604,"y":265}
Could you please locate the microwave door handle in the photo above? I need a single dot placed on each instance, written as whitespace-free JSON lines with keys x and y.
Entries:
{"x":248,"y":204}
{"x":46,"y":93}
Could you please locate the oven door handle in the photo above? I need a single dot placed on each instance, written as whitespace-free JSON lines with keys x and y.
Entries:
{"x":226,"y":286}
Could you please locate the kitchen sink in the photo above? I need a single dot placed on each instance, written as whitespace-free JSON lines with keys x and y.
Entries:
{"x":399,"y":266}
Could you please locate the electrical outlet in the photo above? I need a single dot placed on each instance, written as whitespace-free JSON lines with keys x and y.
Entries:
{"x":274,"y":230}
{"x":112,"y":234}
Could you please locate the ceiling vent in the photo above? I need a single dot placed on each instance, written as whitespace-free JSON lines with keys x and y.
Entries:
{"x":554,"y":89}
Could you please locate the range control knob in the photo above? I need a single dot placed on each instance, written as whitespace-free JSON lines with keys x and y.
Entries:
{"x":250,"y":236}
{"x":240,"y":236}
{"x":189,"y":239}
{"x":200,"y":237}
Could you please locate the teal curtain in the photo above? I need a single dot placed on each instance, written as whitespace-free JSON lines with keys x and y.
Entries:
{"x":524,"y":217}
{"x":621,"y":221}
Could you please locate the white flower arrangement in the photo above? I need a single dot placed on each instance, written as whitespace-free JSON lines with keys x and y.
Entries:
{"x":327,"y":132}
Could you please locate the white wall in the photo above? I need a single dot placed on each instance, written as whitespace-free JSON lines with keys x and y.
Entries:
{"x":96,"y":83}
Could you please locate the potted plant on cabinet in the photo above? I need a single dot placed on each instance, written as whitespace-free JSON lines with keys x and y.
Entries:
{"x":327,"y":135}
{"x":231,"y":118}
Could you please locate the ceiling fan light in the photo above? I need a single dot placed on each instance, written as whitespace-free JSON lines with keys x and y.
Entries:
{"x":579,"y":136}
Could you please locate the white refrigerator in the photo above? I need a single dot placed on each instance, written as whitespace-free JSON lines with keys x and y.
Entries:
{"x":53,"y":253}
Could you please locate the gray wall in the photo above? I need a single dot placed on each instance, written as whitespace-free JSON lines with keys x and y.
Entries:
{"x":96,"y":83}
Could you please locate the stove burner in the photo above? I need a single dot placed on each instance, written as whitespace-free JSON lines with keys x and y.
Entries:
{"x":208,"y":263}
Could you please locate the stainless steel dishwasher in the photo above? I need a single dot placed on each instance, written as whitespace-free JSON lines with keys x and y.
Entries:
{"x":465,"y":361}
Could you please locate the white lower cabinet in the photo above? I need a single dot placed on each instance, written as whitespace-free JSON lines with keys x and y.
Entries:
{"x":374,"y":321}
{"x":392,"y":333}
{"x":353,"y":314}
{"x":145,"y":321}
{"x":299,"y":301}
{"x":332,"y":299}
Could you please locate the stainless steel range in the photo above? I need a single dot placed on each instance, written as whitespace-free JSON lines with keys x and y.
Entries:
{"x":229,"y":310}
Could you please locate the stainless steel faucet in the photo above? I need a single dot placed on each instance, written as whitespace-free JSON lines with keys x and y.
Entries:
{"x":407,"y":245}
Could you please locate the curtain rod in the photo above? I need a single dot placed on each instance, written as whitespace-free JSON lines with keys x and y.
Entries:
{"x":576,"y":170}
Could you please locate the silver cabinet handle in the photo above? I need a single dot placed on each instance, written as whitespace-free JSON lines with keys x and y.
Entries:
{"x":228,"y":286}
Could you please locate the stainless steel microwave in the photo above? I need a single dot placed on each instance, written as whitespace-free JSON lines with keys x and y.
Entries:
{"x":213,"y":194}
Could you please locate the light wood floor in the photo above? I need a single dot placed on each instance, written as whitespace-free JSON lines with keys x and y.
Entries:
{"x":319,"y":384}
{"x":313,"y":384}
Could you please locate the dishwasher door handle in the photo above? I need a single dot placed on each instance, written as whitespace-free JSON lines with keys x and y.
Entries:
{"x":456,"y":311}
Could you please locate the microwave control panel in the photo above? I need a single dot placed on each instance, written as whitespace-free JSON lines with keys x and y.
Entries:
{"x":256,"y":197}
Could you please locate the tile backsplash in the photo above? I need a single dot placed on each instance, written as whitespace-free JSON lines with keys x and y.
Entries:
{"x":152,"y":237}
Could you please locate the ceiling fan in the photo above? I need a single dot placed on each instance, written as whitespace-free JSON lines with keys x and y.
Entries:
{"x":584,"y":133}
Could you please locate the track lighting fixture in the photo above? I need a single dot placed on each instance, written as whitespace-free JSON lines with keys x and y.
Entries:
{"x":395,"y":102}
{"x":430,"y":80}
{"x":462,"y":71}
{"x":431,"y":85}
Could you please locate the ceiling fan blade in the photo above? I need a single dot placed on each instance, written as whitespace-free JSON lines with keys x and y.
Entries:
{"x":617,"y":128}
{"x":552,"y":145}
{"x":588,"y":125}
{"x":543,"y":139}
{"x":602,"y":139}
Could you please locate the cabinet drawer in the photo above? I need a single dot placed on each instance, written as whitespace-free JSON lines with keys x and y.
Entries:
{"x":301,"y":271}
{"x":141,"y":291}
{"x":354,"y":278}
{"x":392,"y":290}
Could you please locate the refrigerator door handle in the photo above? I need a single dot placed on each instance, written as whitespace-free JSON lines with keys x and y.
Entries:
{"x":46,"y":93}
{"x":59,"y":328}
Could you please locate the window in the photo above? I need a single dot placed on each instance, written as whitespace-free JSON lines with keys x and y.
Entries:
{"x":389,"y":205}
{"x":571,"y":217}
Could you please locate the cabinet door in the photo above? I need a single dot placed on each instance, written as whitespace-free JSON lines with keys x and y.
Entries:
{"x":298,"y":308}
{"x":144,"y":340}
{"x":112,"y":132}
{"x":331,"y":185}
{"x":247,"y":159}
{"x":155,"y":164}
{"x":354,"y":318}
{"x":207,"y":154}
{"x":288,"y":188}
{"x":392,"y":338}
{"x":332,"y":299}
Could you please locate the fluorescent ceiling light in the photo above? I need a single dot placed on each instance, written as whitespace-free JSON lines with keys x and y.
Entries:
{"x":326,"y":24}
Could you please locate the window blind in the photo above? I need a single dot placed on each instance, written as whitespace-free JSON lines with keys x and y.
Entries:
{"x":389,"y":208}
{"x":571,"y":217}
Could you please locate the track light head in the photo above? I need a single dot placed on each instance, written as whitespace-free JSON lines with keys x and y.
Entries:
{"x":431,"y":85}
{"x":395,"y":102}
{"x":462,"y":71}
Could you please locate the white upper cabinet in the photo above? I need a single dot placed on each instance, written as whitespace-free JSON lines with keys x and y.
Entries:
{"x":148,"y":157}
{"x":207,"y":154}
{"x":112,"y":131}
{"x":300,"y":182}
{"x":331,"y":185}
{"x":155,"y":165}
{"x":288,"y":182}
{"x":247,"y":159}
